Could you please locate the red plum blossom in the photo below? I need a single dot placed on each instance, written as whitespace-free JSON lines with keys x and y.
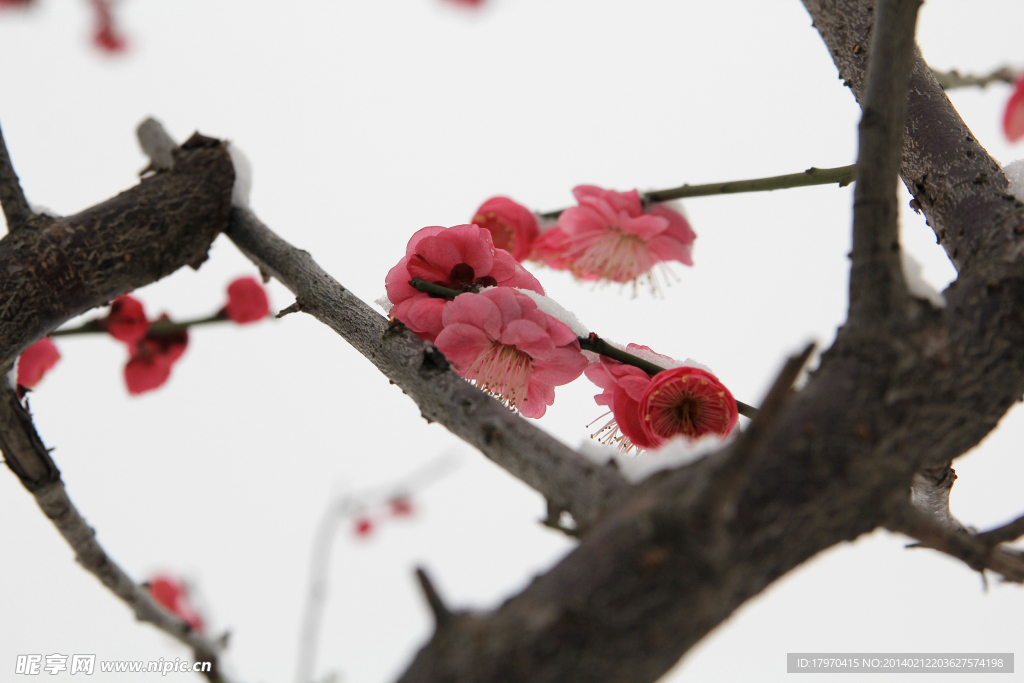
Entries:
{"x":247,"y":301}
{"x":127,"y":321}
{"x":686,"y":401}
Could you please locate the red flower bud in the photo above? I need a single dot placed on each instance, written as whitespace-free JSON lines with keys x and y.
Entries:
{"x":127,"y":320}
{"x":36,"y":361}
{"x":152,"y":357}
{"x":363,"y":527}
{"x":400,"y":507}
{"x":173,"y":596}
{"x":247,"y":301}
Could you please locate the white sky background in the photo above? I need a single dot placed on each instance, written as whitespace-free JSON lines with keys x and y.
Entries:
{"x":365,"y":121}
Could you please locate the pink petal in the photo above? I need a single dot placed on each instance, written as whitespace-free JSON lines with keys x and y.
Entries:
{"x":434,"y":259}
{"x":462,"y":344}
{"x":429,"y":231}
{"x":1013,"y":117}
{"x":397,"y":283}
{"x":564,"y":365}
{"x":475,"y":247}
{"x":668,"y":249}
{"x":538,"y":397}
{"x":424,"y":314}
{"x":530,"y":338}
{"x":477,"y":310}
{"x":509,"y":302}
{"x":647,"y":227}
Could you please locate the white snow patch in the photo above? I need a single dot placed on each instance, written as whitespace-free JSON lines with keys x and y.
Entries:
{"x":557,"y":311}
{"x":385,"y":304}
{"x":658,"y":359}
{"x":243,"y":177}
{"x":39,"y":208}
{"x":675,"y":453}
{"x":912,"y":273}
{"x":12,"y":376}
{"x":1014,"y":172}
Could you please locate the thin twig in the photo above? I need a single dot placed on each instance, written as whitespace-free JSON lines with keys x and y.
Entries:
{"x":954,"y":79}
{"x":593,"y":343}
{"x":158,"y":327}
{"x":979,"y":555}
{"x":442,"y":615}
{"x":12,"y":197}
{"x":877,"y":286}
{"x":842,"y":175}
{"x":339,"y":510}
{"x":30,"y":461}
{"x":156,"y":144}
{"x":1004,"y":534}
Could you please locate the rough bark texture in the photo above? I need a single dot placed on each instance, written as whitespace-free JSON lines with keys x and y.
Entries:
{"x":65,"y":266}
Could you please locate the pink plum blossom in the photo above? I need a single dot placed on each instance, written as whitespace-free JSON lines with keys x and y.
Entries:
{"x":513,"y":227}
{"x":127,"y":321}
{"x":610,"y":237}
{"x":509,"y":348}
{"x":247,"y":301}
{"x":622,"y":387}
{"x":461,"y":258}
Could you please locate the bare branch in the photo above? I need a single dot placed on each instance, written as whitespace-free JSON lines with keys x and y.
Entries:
{"x":949,"y":80}
{"x":735,"y":472}
{"x":26,"y":456}
{"x":1004,"y":534}
{"x":877,"y":289}
{"x":68,"y":265}
{"x":972,"y":550}
{"x":12,"y":197}
{"x":156,"y":144}
{"x":566,"y":478}
{"x":442,"y":615}
{"x":931,"y":489}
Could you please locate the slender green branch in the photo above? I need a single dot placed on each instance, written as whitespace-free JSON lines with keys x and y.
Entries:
{"x":160,"y":327}
{"x":592,"y":343}
{"x":949,"y":80}
{"x":843,"y":175}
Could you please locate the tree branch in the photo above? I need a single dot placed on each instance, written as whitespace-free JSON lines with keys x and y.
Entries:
{"x":842,"y":175}
{"x":566,"y":478}
{"x":30,"y":461}
{"x":877,"y":288}
{"x":948,"y":80}
{"x":931,"y":489}
{"x":974,"y":551}
{"x":12,"y":197}
{"x":68,"y":265}
{"x":1007,"y":533}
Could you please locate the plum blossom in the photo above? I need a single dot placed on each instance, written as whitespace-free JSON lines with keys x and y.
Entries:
{"x":127,"y":321}
{"x":686,"y":401}
{"x":172,"y":595}
{"x":462,"y":258}
{"x":647,"y":411}
{"x":247,"y":301}
{"x":610,"y":237}
{"x":1013,"y":117}
{"x":513,"y":227}
{"x":36,"y":361}
{"x":509,"y":348}
{"x":106,"y":36}
{"x":152,"y":358}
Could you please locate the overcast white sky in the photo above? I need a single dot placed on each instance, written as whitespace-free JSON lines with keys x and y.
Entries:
{"x":365,"y":121}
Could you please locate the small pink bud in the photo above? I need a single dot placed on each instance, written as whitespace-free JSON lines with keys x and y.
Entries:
{"x":172,"y":595}
{"x":151,"y":359}
{"x":400,"y":507}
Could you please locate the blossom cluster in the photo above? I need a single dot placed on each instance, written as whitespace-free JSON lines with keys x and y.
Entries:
{"x":465,"y":289}
{"x":610,"y":236}
{"x":153,"y":346}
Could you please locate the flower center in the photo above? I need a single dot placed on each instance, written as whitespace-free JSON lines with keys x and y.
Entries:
{"x":681,"y":408}
{"x":504,"y":372}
